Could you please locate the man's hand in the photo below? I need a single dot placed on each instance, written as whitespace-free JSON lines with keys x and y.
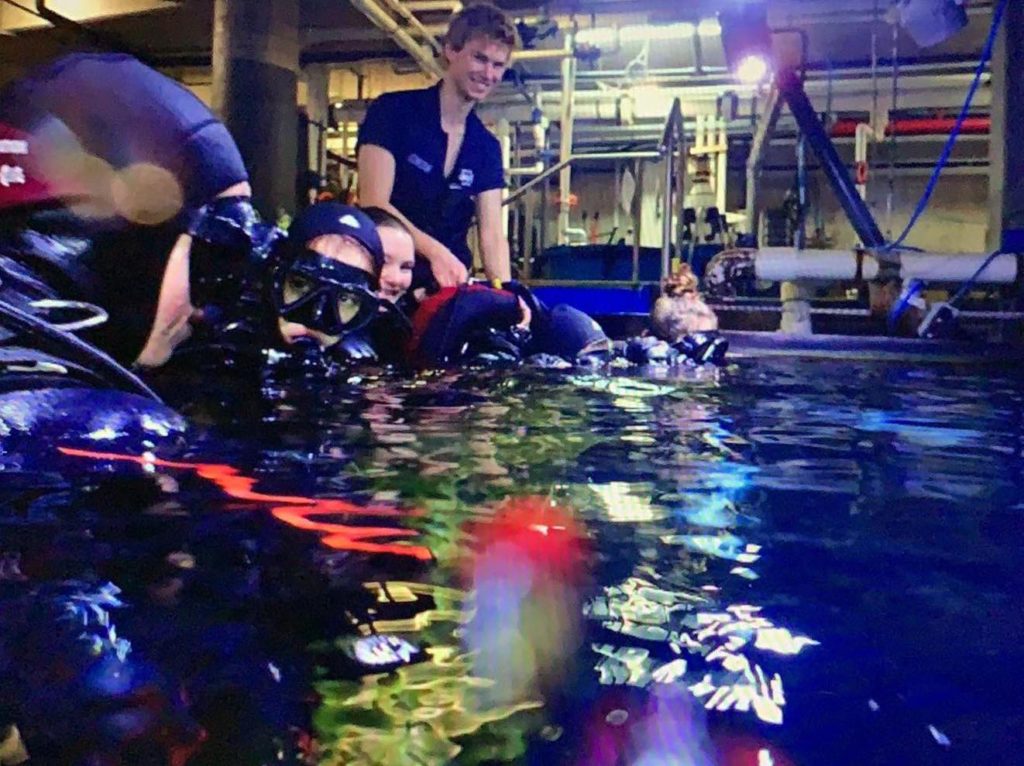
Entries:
{"x":448,"y":270}
{"x":527,"y":315}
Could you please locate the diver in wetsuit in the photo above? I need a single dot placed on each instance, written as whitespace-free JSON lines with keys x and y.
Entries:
{"x":123,"y":209}
{"x":125,"y":222}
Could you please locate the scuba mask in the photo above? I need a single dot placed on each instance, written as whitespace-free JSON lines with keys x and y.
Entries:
{"x":228,"y":243}
{"x":324,"y":294}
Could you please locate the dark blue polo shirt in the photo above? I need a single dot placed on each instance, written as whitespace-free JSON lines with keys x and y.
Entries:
{"x":408,"y":124}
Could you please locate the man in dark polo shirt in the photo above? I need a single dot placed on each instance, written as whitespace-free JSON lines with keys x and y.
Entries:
{"x":426,"y":157}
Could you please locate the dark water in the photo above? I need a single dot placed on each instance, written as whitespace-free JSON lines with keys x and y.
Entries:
{"x":785,"y":562}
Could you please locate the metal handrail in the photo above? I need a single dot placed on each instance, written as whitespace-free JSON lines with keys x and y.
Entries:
{"x":673,"y":132}
{"x":589,"y":157}
{"x":672,"y":138}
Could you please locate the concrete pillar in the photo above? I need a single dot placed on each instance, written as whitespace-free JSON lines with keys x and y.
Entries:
{"x":318,"y":105}
{"x":1006,"y":144}
{"x":796,"y":308}
{"x":255,"y":75}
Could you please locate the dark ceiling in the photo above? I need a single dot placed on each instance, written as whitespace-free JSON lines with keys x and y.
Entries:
{"x":333,"y":30}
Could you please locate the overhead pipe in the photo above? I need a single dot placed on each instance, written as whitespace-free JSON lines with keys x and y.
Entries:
{"x":100,"y":39}
{"x":384,"y":21}
{"x":402,"y":10}
{"x":791,"y":88}
{"x":426,"y":6}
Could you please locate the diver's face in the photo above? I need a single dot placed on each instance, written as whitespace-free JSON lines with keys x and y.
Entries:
{"x":174,"y":311}
{"x":337,"y":247}
{"x":399,"y":259}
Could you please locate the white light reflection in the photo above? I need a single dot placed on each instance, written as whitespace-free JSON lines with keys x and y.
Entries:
{"x":720,"y":667}
{"x":627,"y":502}
{"x":939,"y":737}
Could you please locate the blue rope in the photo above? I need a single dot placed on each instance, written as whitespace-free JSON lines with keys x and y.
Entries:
{"x":986,"y":54}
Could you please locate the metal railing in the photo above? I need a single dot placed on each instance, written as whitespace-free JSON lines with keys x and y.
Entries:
{"x":575,"y":159}
{"x":671,"y":139}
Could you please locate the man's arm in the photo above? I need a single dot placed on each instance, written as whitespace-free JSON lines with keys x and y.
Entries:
{"x":376,"y":166}
{"x":494,"y":248}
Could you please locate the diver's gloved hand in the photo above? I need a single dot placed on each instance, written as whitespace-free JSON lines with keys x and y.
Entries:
{"x":650,"y":350}
{"x":493,"y":346}
{"x":355,"y":347}
{"x":303,"y":357}
{"x":703,"y":348}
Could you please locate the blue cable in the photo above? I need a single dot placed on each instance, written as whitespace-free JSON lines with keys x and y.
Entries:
{"x":967,"y":285}
{"x":986,"y":54}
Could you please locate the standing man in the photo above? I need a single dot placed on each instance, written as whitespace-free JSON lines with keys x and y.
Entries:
{"x":425,"y":156}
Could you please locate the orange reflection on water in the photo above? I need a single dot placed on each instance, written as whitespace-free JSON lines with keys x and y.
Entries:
{"x":300,"y":512}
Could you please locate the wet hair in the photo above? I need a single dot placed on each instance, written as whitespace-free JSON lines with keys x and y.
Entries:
{"x":382,"y":217}
{"x":481,"y":20}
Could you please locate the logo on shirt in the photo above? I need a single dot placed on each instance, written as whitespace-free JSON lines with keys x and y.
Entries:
{"x":11,"y":174}
{"x":13,"y":146}
{"x":466,"y":177}
{"x":418,"y":162}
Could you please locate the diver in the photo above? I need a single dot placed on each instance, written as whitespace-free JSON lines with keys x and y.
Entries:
{"x":126,"y":211}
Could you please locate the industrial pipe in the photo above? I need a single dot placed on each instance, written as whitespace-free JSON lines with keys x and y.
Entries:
{"x":762,"y":135}
{"x":543,"y":54}
{"x":403,"y":10}
{"x":383,"y":21}
{"x":565,"y":138}
{"x":589,"y":157}
{"x":783,"y":264}
{"x":424,"y":6}
{"x":792,"y":90}
{"x":670,"y":141}
{"x":918,"y":126}
{"x":526,"y":170}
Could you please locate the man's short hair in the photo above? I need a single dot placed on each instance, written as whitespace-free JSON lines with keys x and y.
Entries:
{"x":481,"y":20}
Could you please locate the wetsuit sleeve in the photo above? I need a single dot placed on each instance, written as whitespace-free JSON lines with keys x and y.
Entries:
{"x":380,"y":126}
{"x":492,"y":175}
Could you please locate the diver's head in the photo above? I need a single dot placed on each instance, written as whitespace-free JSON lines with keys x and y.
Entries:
{"x":121,"y":191}
{"x":325,"y":286}
{"x":399,"y":253}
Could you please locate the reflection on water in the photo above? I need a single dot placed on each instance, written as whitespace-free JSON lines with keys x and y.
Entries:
{"x":780,"y":562}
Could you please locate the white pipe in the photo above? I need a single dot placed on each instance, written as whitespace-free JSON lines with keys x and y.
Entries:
{"x":383,"y":21}
{"x":565,"y":140}
{"x":402,"y":10}
{"x":504,"y":133}
{"x":783,"y":264}
{"x":527,"y":170}
{"x":543,"y":54}
{"x":862,"y":134}
{"x":957,"y":267}
{"x":423,"y":6}
{"x":721,"y":167}
{"x":780,"y":264}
